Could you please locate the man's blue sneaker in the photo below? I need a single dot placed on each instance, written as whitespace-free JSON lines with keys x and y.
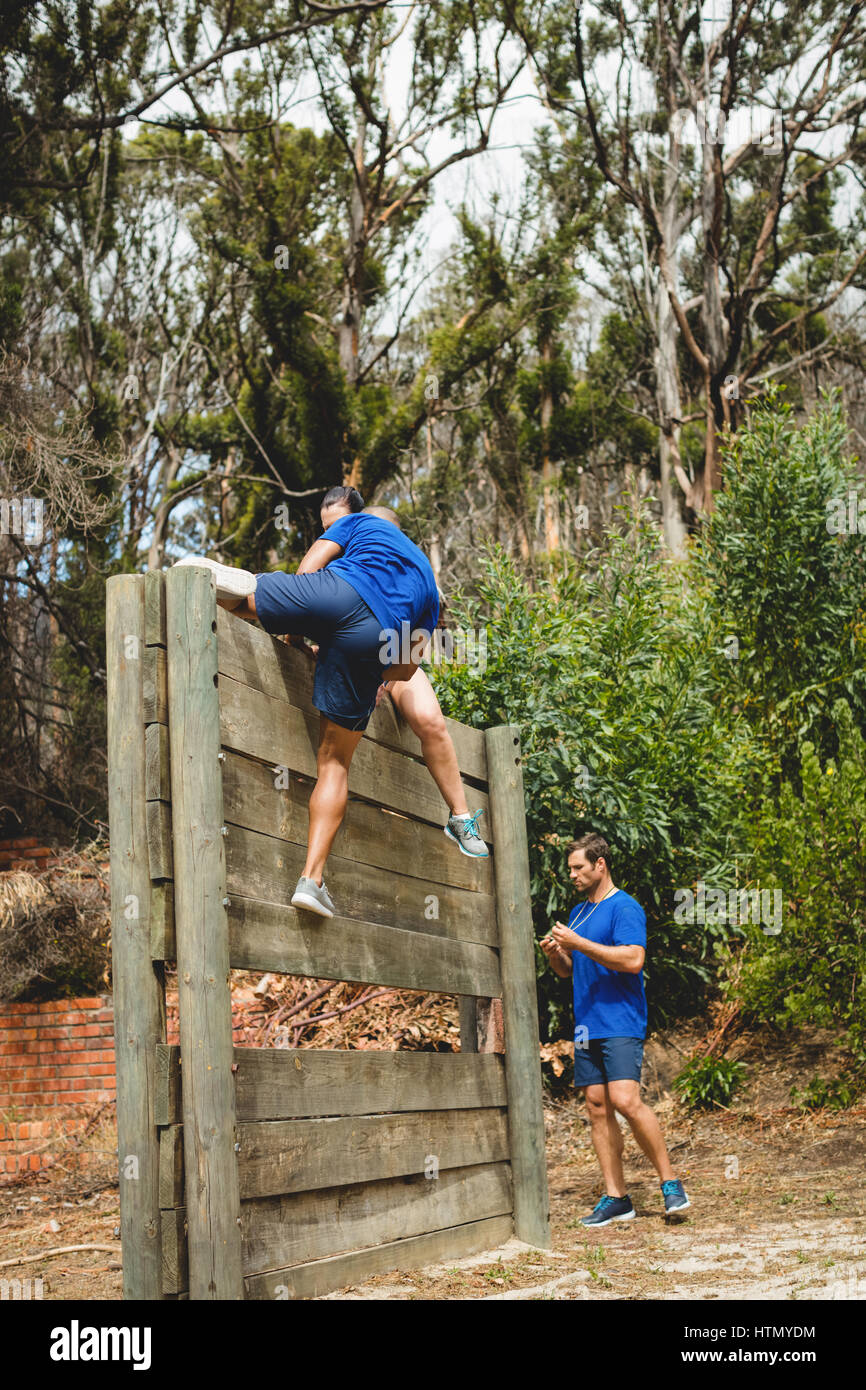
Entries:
{"x":609,"y":1209}
{"x":464,"y":830}
{"x":675,"y":1195}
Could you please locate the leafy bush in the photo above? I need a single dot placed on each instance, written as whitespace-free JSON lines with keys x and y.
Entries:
{"x":836,"y":1094}
{"x":607,"y":671}
{"x":813,"y":845}
{"x":782,"y":581}
{"x":707,"y":1081}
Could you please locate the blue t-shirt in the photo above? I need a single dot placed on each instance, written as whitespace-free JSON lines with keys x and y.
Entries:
{"x":608,"y":1003}
{"x":390,"y":573}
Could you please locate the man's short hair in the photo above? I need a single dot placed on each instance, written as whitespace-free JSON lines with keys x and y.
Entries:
{"x":594,"y":846}
{"x":343,"y":497}
{"x":386,"y":513}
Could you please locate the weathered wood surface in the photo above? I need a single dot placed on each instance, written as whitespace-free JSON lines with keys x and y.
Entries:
{"x":139,"y":998}
{"x":162,"y":942}
{"x":171,"y":1166}
{"x":256,"y":798}
{"x":260,"y":867}
{"x":264,"y":937}
{"x":279,"y":1231}
{"x":157,"y":765}
{"x":154,"y":608}
{"x":282,"y":735}
{"x":175,"y":1252}
{"x":340,"y":1271}
{"x":155,"y":686}
{"x":212,"y":1195}
{"x":159,"y":843}
{"x":282,"y":1156}
{"x":168,"y":1102}
{"x":519,"y":999}
{"x":248,"y":654}
{"x":293,"y":1083}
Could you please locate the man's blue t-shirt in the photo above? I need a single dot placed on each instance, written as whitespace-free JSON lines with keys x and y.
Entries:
{"x":390,"y":573}
{"x":608,"y":1003}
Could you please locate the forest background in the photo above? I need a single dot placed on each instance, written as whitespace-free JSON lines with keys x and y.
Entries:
{"x":579,"y":290}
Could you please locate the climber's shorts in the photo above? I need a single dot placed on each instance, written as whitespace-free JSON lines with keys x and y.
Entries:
{"x":325,"y":608}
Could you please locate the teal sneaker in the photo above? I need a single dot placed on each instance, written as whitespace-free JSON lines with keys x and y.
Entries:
{"x":609,"y":1209}
{"x":675,"y":1195}
{"x":464,"y":831}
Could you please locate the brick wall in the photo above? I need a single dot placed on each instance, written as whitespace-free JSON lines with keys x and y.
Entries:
{"x":56,"y":1063}
{"x":56,"y":1053}
{"x":26,"y":853}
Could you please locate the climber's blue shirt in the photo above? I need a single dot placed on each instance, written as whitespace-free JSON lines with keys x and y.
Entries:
{"x":390,"y":573}
{"x":608,"y":1003}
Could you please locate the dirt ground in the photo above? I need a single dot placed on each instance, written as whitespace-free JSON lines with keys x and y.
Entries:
{"x":778,"y":1206}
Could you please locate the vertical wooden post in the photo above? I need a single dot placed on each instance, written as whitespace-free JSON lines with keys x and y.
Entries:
{"x":201,"y":925}
{"x":139,"y":999}
{"x":519,"y":1000}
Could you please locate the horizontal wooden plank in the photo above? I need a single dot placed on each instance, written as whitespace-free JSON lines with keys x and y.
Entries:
{"x":173,"y":1242}
{"x":154,"y":608}
{"x":162,"y":942}
{"x":264,"y":868}
{"x":157,"y":770}
{"x":282,"y":1156}
{"x":257,"y":798}
{"x":250,"y":655}
{"x":166,"y":1105}
{"x":291,"y":1083}
{"x":282,"y":735}
{"x":341,"y":1271}
{"x":171,"y":1166}
{"x":279,"y":1231}
{"x":268,"y":936}
{"x":159,"y":839}
{"x":155,"y":686}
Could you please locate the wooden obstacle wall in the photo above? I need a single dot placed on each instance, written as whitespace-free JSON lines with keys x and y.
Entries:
{"x":263,"y":1173}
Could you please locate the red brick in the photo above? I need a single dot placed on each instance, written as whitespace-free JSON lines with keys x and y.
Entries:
{"x":92,"y":1030}
{"x":101,"y":1069}
{"x":26,"y":843}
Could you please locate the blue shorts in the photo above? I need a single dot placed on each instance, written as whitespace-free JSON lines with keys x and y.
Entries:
{"x":608,"y":1059}
{"x":323,"y":607}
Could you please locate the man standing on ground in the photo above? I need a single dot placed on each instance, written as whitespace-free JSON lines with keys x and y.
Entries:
{"x":603,"y":948}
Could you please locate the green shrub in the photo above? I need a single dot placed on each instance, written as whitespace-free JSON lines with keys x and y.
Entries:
{"x":835,"y":1094}
{"x":813,"y":845}
{"x":708,"y":1081}
{"x":607,"y":671}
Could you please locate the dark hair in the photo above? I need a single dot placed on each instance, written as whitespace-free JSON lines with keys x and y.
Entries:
{"x":594,"y":846}
{"x":343,"y":497}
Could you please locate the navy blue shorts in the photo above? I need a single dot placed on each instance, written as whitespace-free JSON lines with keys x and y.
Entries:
{"x":323,"y":607}
{"x":607,"y":1059}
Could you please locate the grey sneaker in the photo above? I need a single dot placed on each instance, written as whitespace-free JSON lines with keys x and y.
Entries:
{"x":230,"y":582}
{"x":464,"y":831}
{"x":313,"y":896}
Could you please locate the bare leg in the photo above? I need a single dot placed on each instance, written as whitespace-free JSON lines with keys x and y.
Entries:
{"x":241,"y":607}
{"x":330,"y":794}
{"x":606,"y":1139}
{"x":416,"y":700}
{"x":646,"y":1129}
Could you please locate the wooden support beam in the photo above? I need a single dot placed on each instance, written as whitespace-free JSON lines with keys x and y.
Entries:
{"x":519,"y":998}
{"x":139,"y":996}
{"x":201,"y":925}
